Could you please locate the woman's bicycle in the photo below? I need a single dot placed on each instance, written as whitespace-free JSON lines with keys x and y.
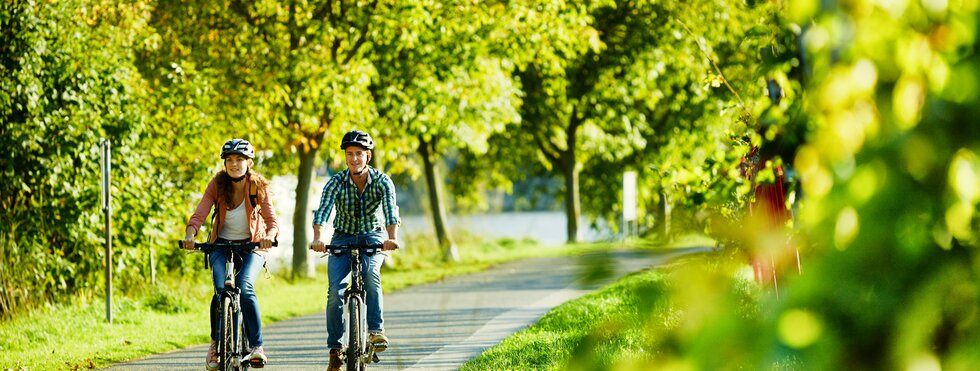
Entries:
{"x":232,"y":345}
{"x":360,"y":352}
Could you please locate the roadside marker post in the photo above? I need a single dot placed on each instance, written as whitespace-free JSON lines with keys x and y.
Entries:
{"x":629,"y":204}
{"x":107,"y":211}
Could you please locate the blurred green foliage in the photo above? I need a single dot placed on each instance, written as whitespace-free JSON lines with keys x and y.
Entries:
{"x":878,"y":121}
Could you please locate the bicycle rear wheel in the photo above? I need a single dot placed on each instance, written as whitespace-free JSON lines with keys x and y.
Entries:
{"x":355,"y":338}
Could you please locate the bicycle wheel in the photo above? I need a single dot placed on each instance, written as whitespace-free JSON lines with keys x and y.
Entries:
{"x":355,"y":338}
{"x":229,"y":361}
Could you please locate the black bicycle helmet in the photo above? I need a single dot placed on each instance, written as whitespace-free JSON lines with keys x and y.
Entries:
{"x":358,"y":138}
{"x":237,"y":146}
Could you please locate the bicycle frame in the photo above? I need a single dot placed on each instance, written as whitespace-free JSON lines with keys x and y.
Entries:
{"x":360,"y":352}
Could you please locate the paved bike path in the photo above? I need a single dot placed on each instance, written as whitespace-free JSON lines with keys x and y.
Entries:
{"x":439,"y":326}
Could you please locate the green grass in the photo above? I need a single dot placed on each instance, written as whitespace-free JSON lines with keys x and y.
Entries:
{"x":632,"y":324}
{"x":173,"y":315}
{"x":605,"y":324}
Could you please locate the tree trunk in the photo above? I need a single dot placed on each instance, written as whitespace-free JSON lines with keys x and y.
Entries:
{"x":434,"y":182}
{"x":570,"y":171}
{"x":307,"y":158}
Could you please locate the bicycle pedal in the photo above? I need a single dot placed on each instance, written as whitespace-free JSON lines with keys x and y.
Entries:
{"x":375,"y":359}
{"x":256,"y":363}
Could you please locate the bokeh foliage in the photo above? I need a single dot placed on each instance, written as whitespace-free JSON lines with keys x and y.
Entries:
{"x":887,"y":157}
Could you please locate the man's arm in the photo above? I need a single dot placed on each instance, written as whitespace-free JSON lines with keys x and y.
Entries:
{"x":392,"y":242}
{"x":327,"y":199}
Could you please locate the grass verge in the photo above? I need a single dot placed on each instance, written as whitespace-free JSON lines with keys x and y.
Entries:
{"x":632,"y":324}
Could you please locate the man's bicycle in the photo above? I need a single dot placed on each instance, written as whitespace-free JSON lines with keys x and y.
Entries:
{"x":360,"y":352}
{"x":232,"y":345}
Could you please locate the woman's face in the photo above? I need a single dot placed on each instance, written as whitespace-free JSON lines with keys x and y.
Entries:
{"x":357,"y":158}
{"x":237,"y":165}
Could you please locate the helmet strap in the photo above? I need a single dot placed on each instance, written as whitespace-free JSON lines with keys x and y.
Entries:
{"x":236,"y":180}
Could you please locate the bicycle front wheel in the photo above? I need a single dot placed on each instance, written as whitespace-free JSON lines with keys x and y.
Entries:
{"x":355,"y":337}
{"x":229,"y":361}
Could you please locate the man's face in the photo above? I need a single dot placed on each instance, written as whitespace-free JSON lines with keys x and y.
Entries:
{"x":357,"y":158}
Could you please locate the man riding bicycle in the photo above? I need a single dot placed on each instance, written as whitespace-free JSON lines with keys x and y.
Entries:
{"x":358,"y":193}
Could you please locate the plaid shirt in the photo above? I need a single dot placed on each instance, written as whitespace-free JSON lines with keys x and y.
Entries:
{"x":357,"y":214}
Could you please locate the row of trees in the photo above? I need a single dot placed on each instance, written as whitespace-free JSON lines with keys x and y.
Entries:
{"x":579,"y":90}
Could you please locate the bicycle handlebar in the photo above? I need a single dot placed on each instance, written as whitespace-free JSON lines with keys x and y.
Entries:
{"x":239,"y":246}
{"x":340,"y":249}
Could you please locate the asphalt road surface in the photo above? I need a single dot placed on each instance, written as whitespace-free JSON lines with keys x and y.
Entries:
{"x":440,"y":326}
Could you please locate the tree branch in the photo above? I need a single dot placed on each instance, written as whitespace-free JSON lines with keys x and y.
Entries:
{"x":362,"y":35}
{"x":547,"y":148}
{"x":741,"y":104}
{"x":241,"y":9}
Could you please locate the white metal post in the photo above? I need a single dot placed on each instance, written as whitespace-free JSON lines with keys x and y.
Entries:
{"x":107,"y":210}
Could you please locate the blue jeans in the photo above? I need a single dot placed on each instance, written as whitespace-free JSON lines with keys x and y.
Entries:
{"x":338,"y":273}
{"x":248,"y":266}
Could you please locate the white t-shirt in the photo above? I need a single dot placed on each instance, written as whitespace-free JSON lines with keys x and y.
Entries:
{"x":235,"y":226}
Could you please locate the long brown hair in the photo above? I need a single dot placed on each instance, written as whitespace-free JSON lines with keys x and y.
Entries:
{"x":227,"y":192}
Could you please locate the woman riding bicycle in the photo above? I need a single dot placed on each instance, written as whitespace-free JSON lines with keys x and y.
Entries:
{"x":358,"y":193}
{"x":243,"y":212}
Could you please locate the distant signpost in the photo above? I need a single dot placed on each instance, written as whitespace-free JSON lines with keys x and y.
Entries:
{"x":629,"y":204}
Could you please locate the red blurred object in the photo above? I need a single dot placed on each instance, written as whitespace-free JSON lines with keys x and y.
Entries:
{"x":769,"y":263}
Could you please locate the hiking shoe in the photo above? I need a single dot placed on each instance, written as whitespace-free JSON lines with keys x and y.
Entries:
{"x":212,"y":359}
{"x":257,"y":358}
{"x":335,"y":361}
{"x":379,"y":340}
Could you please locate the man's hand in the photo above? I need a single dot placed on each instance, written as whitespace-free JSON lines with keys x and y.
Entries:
{"x":389,"y":245}
{"x":318,"y":246}
{"x":187,"y":243}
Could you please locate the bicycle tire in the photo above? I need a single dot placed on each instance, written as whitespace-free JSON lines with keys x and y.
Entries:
{"x":355,"y":338}
{"x":242,"y":342}
{"x":228,"y":362}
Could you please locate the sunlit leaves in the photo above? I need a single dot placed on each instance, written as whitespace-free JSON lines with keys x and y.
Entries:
{"x":799,"y":328}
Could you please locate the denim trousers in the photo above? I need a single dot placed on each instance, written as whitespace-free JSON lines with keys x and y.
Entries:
{"x":338,"y":273}
{"x":248,"y":266}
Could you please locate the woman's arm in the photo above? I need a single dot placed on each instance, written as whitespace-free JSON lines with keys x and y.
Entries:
{"x":204,"y":208}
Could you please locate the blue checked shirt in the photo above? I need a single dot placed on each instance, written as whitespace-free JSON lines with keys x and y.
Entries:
{"x":357,"y":214}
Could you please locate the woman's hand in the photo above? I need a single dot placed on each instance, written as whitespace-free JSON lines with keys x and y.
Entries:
{"x":318,"y":246}
{"x":265,"y":243}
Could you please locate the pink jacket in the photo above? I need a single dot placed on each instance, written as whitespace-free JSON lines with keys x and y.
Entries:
{"x":211,"y":197}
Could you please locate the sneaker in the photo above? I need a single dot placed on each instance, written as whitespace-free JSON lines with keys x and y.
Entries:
{"x":379,"y":340}
{"x":212,"y":359}
{"x":257,"y":358}
{"x":335,"y":361}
